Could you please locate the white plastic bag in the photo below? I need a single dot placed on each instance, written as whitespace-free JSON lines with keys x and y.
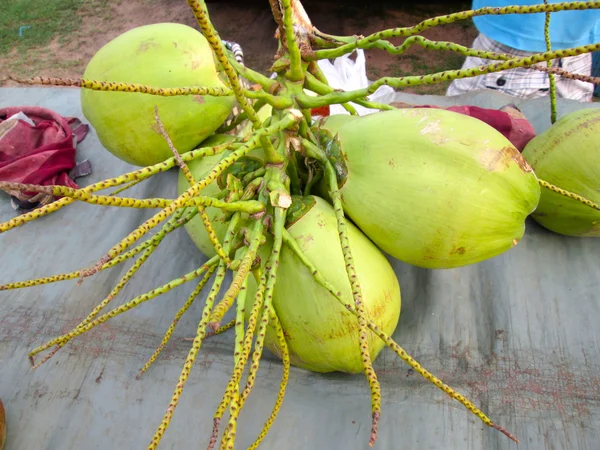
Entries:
{"x":350,"y":75}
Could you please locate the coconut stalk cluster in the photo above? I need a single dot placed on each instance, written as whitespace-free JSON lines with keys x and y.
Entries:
{"x":267,"y":193}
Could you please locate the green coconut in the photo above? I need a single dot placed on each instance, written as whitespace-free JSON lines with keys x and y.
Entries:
{"x":334,"y":122}
{"x":322,"y":335}
{"x":568,"y":155}
{"x":200,"y":168}
{"x":431,"y":187}
{"x":165,"y":55}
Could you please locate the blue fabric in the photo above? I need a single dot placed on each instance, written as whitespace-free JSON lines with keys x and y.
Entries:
{"x":526,"y":31}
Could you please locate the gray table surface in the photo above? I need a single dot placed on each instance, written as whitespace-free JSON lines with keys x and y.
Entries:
{"x":517,"y":334}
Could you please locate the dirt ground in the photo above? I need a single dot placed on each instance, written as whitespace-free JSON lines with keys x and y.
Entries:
{"x":250,"y":24}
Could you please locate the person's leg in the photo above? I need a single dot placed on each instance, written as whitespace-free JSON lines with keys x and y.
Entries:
{"x":575,"y":89}
{"x":464,"y":85}
{"x":519,"y":82}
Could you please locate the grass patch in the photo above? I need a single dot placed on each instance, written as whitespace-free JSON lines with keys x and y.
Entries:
{"x":47,"y":19}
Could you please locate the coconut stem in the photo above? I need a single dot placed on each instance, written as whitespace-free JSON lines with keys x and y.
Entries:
{"x":241,"y":364}
{"x":285,"y":358}
{"x":240,"y":276}
{"x":193,"y":191}
{"x":295,"y":74}
{"x":234,"y":407}
{"x":444,"y":20}
{"x":202,"y":17}
{"x":313,"y":84}
{"x":171,"y":225}
{"x":271,"y":274}
{"x":122,"y":282}
{"x":248,"y":206}
{"x":307,"y":101}
{"x":295,"y":248}
{"x":550,"y":75}
{"x":178,"y":316}
{"x":95,"y":85}
{"x":189,"y":362}
{"x":126,"y":307}
{"x":314,"y":152}
{"x":568,"y":194}
{"x":135,"y":176}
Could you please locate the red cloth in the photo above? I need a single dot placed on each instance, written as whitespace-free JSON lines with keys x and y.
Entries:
{"x":43,"y":154}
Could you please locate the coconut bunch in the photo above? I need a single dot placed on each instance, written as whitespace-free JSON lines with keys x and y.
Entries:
{"x":301,"y":211}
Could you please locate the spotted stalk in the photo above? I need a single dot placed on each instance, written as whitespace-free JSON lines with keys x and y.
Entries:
{"x":240,"y":277}
{"x":193,"y":191}
{"x":112,"y":86}
{"x":306,"y":101}
{"x":550,"y":75}
{"x":180,"y":313}
{"x":285,"y":359}
{"x":122,"y":282}
{"x":126,"y":307}
{"x":465,"y":51}
{"x":189,"y":362}
{"x":171,"y":225}
{"x":271,"y":273}
{"x":445,"y":20}
{"x":135,"y":176}
{"x":316,"y":153}
{"x":202,"y":17}
{"x":249,"y":206}
{"x":228,"y":441}
{"x":200,"y":335}
{"x":291,"y":243}
{"x":568,"y":194}
{"x":238,"y":369}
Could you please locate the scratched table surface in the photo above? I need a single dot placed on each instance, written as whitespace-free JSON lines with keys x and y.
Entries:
{"x":517,"y":334}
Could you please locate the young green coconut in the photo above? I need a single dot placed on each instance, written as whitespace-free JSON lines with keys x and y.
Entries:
{"x":253,"y":245}
{"x":164,"y":55}
{"x":431,"y":187}
{"x":320,"y":332}
{"x":568,"y":155}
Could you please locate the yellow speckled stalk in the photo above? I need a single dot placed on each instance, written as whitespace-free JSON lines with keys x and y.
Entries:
{"x":241,"y":364}
{"x":271,"y":271}
{"x":189,"y":362}
{"x":134,"y":177}
{"x":95,"y":85}
{"x":200,"y":335}
{"x":173,"y":224}
{"x":248,"y":206}
{"x":285,"y":358}
{"x":550,"y":75}
{"x":228,"y":441}
{"x":240,"y":276}
{"x":356,"y":289}
{"x":180,"y":313}
{"x":212,"y":235}
{"x":126,"y":307}
{"x":291,"y":243}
